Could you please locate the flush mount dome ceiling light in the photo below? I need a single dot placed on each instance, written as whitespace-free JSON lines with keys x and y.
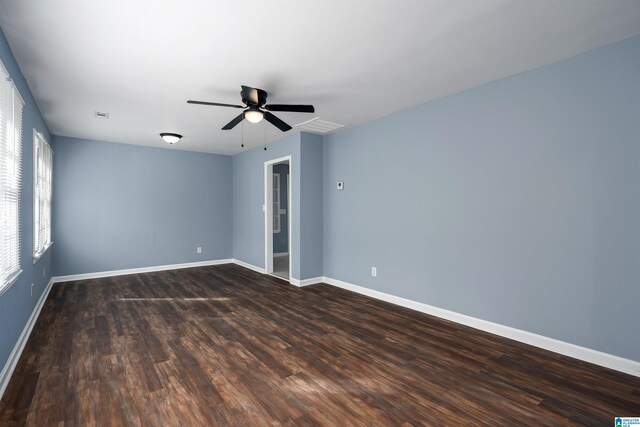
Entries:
{"x":170,"y":138}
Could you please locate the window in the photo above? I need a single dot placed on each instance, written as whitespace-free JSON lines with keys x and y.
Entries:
{"x":42,"y":167}
{"x":11,"y":105}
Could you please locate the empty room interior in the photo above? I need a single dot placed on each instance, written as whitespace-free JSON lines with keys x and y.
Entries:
{"x":336,"y":213}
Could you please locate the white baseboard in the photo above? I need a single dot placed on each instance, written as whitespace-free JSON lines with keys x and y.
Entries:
{"x":582,"y":353}
{"x":295,"y":282}
{"x":306,"y":282}
{"x":9,"y":367}
{"x":124,"y":272}
{"x":249,"y":266}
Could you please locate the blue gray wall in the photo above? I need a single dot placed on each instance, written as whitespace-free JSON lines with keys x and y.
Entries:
{"x":281,"y":239}
{"x":248,"y":199}
{"x":118,"y":206}
{"x":17,"y":304}
{"x":306,"y":204}
{"x":516,"y":202}
{"x":311,"y":211}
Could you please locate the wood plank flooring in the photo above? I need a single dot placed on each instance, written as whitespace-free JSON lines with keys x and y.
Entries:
{"x":224,"y":345}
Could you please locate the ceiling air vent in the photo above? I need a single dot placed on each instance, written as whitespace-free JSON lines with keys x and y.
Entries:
{"x":316,"y":125}
{"x":101,"y":115}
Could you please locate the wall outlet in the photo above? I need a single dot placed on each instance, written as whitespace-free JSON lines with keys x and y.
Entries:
{"x":340,"y":185}
{"x":32,"y":289}
{"x":374,"y":271}
{"x":199,"y":250}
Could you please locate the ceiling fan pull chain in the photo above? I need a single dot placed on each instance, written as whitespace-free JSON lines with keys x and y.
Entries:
{"x":242,"y":145}
{"x":265,"y":135}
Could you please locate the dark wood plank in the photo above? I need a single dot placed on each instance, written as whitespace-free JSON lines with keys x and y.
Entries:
{"x":224,"y":345}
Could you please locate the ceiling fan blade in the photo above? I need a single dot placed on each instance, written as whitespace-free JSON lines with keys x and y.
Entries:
{"x":291,"y":108}
{"x":234,"y":122}
{"x":217,"y":104}
{"x":250,"y":95}
{"x":276,"y":122}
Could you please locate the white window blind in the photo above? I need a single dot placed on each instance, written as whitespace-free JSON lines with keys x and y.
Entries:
{"x":42,"y":169}
{"x":11,"y":105}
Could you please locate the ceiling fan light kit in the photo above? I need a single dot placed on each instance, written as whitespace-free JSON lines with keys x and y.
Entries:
{"x":254,"y":116}
{"x":256,"y":108}
{"x":170,"y":138}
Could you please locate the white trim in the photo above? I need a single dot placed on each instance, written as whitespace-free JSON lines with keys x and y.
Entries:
{"x":4,"y":70}
{"x":39,"y":136}
{"x":249,"y":266}
{"x":295,"y":282}
{"x":10,"y":281}
{"x":124,"y":272}
{"x":113,"y":273}
{"x":290,"y":218}
{"x":286,"y":279}
{"x":276,"y":186}
{"x":268,"y":214}
{"x":46,"y":248}
{"x":20,"y":98}
{"x":11,"y":272}
{"x":582,"y":353}
{"x":306,"y":282}
{"x":14,"y":357}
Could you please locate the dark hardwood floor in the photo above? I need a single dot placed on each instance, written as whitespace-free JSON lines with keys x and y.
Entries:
{"x":226,"y":346}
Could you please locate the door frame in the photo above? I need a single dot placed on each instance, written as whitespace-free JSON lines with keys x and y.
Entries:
{"x":268,"y":215}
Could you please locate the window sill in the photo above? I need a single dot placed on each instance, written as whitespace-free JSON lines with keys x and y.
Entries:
{"x":37,"y":256}
{"x":11,"y":281}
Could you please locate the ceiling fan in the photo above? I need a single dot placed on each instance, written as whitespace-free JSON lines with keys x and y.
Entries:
{"x":254,"y":109}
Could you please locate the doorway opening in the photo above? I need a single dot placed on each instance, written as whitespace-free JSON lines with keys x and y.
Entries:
{"x":278,"y":217}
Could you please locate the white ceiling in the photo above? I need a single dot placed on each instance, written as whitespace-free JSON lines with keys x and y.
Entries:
{"x":354,"y":60}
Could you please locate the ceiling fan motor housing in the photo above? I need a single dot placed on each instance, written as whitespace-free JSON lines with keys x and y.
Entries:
{"x":253,"y":96}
